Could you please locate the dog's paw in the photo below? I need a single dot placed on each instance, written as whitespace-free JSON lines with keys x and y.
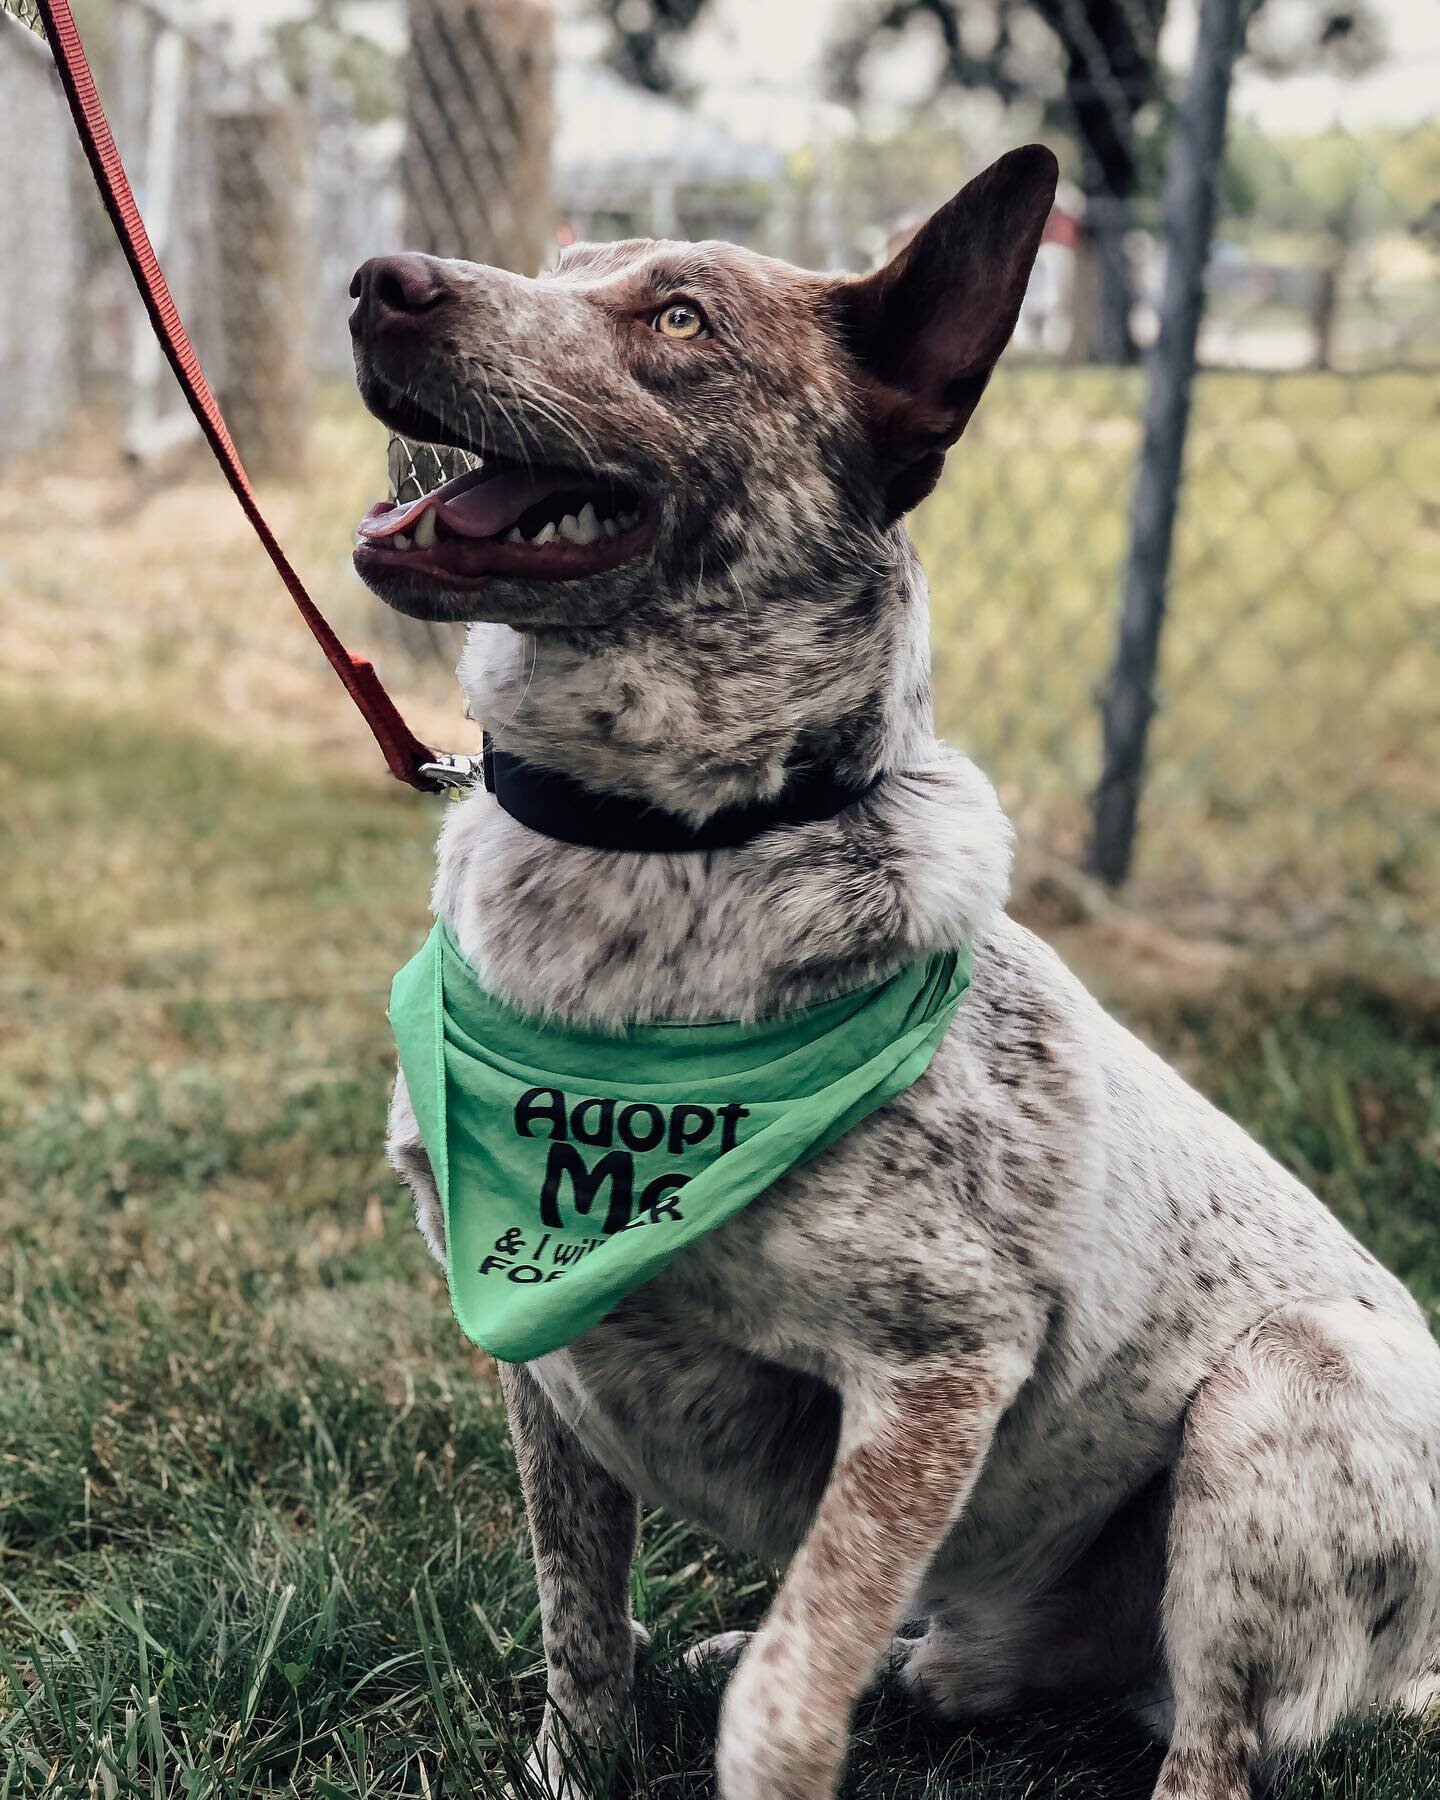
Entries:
{"x":780,"y":1738}
{"x":722,"y":1651}
{"x":548,"y":1775}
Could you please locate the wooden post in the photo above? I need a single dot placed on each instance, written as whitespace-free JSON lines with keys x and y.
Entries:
{"x":264,"y":297}
{"x":1189,"y":219}
{"x":479,"y":122}
{"x":479,"y":119}
{"x":41,"y":247}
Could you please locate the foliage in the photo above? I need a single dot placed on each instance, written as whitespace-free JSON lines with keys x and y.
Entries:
{"x":1305,"y":184}
{"x":350,"y":61}
{"x":1345,"y":37}
{"x":643,"y":35}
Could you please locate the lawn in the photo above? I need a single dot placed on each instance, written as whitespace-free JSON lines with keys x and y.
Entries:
{"x":259,"y":1529}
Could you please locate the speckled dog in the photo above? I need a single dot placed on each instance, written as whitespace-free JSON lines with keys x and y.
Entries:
{"x":1046,"y":1352}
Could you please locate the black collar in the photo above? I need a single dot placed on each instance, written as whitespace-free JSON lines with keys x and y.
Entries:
{"x":559,"y":807}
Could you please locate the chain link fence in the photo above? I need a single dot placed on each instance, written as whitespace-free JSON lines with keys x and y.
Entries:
{"x":1291,"y":778}
{"x":1293,"y":769}
{"x":37,"y":349}
{"x":1290,"y":774}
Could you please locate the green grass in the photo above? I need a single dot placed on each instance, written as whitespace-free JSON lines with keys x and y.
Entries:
{"x":259,"y":1528}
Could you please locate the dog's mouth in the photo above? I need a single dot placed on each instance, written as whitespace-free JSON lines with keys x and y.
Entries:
{"x":502,"y":519}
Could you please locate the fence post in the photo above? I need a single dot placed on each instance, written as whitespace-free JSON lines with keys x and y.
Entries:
{"x":1189,"y":219}
{"x":264,"y":292}
{"x":479,"y":120}
{"x":478,"y":127}
{"x":41,"y":269}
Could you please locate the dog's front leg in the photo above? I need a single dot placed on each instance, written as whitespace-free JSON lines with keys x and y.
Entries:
{"x":583,"y":1527}
{"x":910,"y":1450}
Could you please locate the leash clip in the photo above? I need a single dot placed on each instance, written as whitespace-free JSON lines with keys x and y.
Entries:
{"x":450,"y":771}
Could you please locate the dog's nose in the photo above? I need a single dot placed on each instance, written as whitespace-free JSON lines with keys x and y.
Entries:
{"x":395,"y":291}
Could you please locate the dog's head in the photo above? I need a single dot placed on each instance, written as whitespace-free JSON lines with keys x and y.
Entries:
{"x":654,"y":417}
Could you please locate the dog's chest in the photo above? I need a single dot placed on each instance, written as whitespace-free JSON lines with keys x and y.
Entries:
{"x":1046,"y":1187}
{"x":934,"y":1230}
{"x":697,"y":1396}
{"x":712,"y":1391}
{"x":676,"y":1395}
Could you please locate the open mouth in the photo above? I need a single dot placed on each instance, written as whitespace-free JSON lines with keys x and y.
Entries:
{"x":546,"y":524}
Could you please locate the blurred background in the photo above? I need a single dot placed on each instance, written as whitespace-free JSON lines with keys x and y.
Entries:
{"x":258,"y":1526}
{"x":1289,"y":778}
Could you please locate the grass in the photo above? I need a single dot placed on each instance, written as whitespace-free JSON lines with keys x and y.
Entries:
{"x":259,"y":1530}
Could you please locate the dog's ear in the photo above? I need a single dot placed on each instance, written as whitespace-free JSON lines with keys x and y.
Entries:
{"x":929,"y":326}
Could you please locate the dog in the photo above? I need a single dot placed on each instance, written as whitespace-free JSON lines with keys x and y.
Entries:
{"x":1047,"y":1352}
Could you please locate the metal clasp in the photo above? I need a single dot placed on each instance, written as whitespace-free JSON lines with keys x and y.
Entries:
{"x":451,"y":770}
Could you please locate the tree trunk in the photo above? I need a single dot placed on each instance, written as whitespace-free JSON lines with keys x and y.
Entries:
{"x":1330,"y":276}
{"x":1104,"y":292}
{"x":479,"y":121}
{"x":1110,"y":63}
{"x":1107,"y":224}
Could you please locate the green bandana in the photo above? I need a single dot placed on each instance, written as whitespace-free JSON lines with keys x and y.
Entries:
{"x":574,"y":1164}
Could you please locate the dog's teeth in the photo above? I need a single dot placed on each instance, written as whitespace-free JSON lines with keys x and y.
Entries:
{"x":400,"y":541}
{"x":610,"y":528}
{"x":587,"y":525}
{"x":514,"y":535}
{"x":425,"y":530}
{"x":570,"y":529}
{"x":545,"y":533}
{"x":627,"y":520}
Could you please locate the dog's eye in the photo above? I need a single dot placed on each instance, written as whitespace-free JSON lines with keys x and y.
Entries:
{"x":679,"y":320}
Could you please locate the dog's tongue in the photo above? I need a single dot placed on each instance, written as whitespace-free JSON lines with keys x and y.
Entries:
{"x":477,"y":504}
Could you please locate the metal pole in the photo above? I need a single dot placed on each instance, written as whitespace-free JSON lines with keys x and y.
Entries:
{"x":1189,"y":219}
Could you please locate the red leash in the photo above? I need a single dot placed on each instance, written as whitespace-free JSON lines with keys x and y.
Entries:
{"x":408,"y":759}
